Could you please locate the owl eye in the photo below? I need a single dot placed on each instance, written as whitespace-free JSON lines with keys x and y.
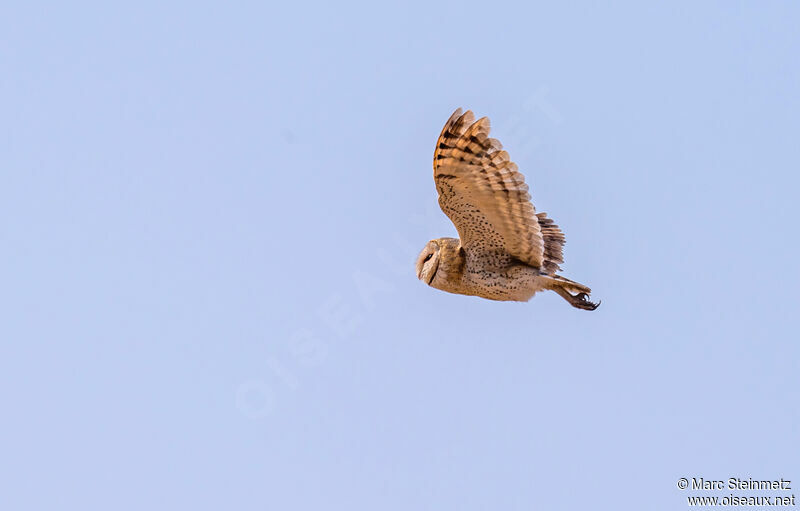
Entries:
{"x":427,"y":258}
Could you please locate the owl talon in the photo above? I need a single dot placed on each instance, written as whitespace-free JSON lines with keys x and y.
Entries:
{"x":578,"y":300}
{"x":582,"y":302}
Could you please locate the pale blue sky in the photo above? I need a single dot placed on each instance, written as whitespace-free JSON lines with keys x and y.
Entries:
{"x":209,"y":216}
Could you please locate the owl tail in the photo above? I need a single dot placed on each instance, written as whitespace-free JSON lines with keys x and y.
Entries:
{"x":565,"y":287}
{"x":553,"y":243}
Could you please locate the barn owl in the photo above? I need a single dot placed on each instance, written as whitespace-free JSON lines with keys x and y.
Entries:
{"x":505,"y":251}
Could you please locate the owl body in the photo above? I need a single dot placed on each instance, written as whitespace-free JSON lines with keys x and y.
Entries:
{"x":495,"y":276}
{"x":505,"y":250}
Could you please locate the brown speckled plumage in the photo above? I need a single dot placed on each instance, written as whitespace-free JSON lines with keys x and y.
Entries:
{"x":505,"y":250}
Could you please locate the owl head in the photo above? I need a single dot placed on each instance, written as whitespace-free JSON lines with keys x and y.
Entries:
{"x":428,"y":262}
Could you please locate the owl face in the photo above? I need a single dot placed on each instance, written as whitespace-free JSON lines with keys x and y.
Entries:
{"x":428,"y":262}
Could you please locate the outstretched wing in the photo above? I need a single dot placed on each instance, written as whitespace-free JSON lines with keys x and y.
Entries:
{"x":486,"y":197}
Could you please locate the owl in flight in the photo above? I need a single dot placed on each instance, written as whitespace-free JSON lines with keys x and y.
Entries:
{"x":506,"y":250}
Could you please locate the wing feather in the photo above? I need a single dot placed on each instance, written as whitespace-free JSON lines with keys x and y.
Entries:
{"x":482,"y":191}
